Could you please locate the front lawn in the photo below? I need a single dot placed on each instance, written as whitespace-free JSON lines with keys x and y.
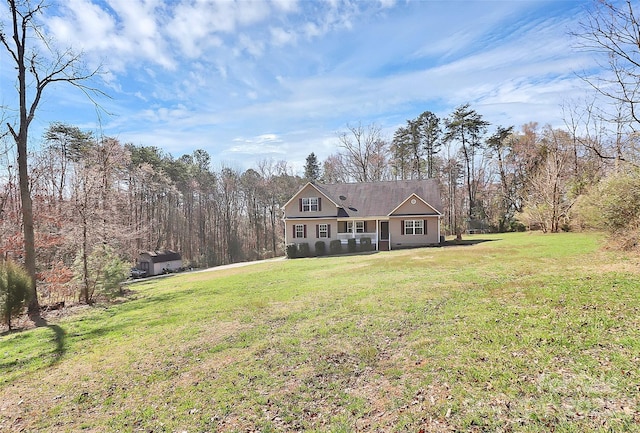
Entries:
{"x":516,"y":332}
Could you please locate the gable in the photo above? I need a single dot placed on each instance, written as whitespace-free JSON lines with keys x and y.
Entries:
{"x":324,"y":206}
{"x":366,"y":199}
{"x":414,"y":205}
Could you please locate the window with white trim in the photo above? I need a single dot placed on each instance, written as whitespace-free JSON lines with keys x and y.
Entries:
{"x":358,"y":226}
{"x":310,"y":204}
{"x":414,"y":227}
{"x":323,"y":230}
{"x":299,"y":231}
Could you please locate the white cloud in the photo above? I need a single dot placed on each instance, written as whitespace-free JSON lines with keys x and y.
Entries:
{"x":280,"y":37}
{"x":200,"y":73}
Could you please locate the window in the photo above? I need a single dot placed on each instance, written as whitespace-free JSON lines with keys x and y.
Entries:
{"x":414,"y":227}
{"x":357,"y":225}
{"x":323,"y":230}
{"x":310,"y":204}
{"x":299,"y":231}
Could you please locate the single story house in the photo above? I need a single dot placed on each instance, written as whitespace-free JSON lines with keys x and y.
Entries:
{"x":159,"y":262}
{"x":393,"y":214}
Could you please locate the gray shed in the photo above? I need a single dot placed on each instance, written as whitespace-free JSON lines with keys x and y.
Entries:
{"x":159,"y":262}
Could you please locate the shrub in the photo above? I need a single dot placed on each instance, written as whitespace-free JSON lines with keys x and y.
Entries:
{"x":517,"y":226}
{"x":320,"y":248}
{"x":14,"y":290}
{"x":335,"y":247}
{"x":365,"y":244}
{"x":303,"y":250}
{"x":105,"y":271}
{"x":614,"y":205}
{"x":351,"y":245}
{"x":292,"y":251}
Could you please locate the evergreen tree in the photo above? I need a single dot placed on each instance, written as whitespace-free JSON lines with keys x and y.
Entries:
{"x":312,"y":168}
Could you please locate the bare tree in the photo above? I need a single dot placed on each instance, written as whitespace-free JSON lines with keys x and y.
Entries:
{"x":35,"y":72}
{"x":612,"y":28}
{"x":549,"y":198}
{"x":366,"y":153}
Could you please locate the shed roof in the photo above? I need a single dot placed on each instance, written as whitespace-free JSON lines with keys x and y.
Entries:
{"x":162,"y":255}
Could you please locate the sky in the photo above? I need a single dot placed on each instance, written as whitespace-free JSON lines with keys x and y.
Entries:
{"x":256,"y":80}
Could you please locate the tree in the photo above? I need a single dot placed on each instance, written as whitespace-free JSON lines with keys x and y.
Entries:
{"x":365,"y":157}
{"x":101,"y":273}
{"x":467,"y":127}
{"x":549,"y":197}
{"x":14,"y":290}
{"x":414,"y":147}
{"x":429,"y":132}
{"x":614,"y":205}
{"x":499,"y":143}
{"x":613,"y":29}
{"x":35,"y":72}
{"x":312,"y":168}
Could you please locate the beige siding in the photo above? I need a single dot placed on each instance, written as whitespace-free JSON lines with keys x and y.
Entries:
{"x":292,"y":209}
{"x":312,"y":238}
{"x":418,"y":208}
{"x":400,"y":240}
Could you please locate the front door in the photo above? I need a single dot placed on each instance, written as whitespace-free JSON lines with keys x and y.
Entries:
{"x":383,"y":242}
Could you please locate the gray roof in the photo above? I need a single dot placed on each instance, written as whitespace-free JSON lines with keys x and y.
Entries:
{"x":369,"y":199}
{"x":162,"y":256}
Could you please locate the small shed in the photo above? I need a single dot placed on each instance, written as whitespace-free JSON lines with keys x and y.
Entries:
{"x":159,"y":262}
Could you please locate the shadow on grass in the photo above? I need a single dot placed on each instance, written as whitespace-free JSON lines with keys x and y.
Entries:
{"x":59,"y":339}
{"x":465,"y":242}
{"x":59,"y":336}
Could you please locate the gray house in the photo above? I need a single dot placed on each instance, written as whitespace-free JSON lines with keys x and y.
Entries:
{"x":159,"y":262}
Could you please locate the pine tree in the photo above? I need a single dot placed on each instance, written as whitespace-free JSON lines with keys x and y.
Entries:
{"x":312,"y":168}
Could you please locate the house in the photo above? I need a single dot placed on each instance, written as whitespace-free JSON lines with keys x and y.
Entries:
{"x":159,"y":262}
{"x":394,"y":214}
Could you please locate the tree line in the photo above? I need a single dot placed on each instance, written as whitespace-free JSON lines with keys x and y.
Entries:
{"x":84,"y":202}
{"x":93,"y":196}
{"x":493,"y":178}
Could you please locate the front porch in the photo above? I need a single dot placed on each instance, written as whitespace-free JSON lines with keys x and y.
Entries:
{"x":376,"y":230}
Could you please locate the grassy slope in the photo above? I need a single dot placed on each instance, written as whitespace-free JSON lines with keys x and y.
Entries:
{"x":527,"y":332}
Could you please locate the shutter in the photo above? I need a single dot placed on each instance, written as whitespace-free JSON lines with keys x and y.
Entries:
{"x":294,"y":231}
{"x":304,"y":231}
{"x":424,"y":229}
{"x":300,"y":202}
{"x":319,"y":204}
{"x":402,"y":227}
{"x":317,"y":231}
{"x":329,"y":230}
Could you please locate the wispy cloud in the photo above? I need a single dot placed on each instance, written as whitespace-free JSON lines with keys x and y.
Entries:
{"x":278,"y":78}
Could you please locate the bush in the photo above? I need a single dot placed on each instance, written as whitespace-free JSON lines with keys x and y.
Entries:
{"x":351,"y":245}
{"x":517,"y":226}
{"x":15,"y":291}
{"x":105,"y":271}
{"x":614,"y":205}
{"x":335,"y":247}
{"x":292,"y":251}
{"x":303,"y":250}
{"x":320,"y":248}
{"x":365,"y":244}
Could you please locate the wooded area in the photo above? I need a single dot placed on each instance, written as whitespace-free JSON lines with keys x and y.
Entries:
{"x":82,"y":200}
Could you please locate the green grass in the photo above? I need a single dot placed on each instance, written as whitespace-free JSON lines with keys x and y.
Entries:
{"x":524,"y":332}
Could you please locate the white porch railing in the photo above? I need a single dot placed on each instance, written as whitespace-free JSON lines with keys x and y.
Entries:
{"x":344,"y":236}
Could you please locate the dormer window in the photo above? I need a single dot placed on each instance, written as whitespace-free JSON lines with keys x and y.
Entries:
{"x":310,"y":204}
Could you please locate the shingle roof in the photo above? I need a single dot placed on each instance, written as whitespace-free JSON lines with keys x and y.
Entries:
{"x":368,"y":199}
{"x":163,"y":256}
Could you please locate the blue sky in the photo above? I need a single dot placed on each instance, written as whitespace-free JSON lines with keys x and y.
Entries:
{"x":255,"y":80}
